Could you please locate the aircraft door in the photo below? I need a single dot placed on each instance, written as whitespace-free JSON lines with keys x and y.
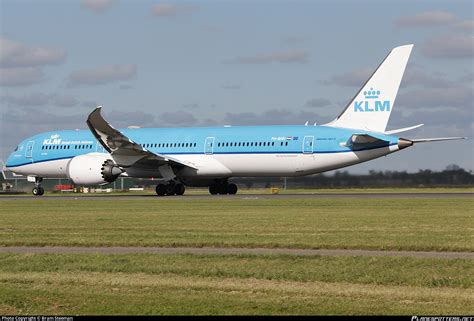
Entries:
{"x":308,"y":143}
{"x":209,"y":145}
{"x":29,"y":149}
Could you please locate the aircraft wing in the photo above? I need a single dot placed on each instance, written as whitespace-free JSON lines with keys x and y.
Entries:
{"x":124,"y":151}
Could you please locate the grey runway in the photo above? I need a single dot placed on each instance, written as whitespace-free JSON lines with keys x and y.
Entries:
{"x":231,"y":251}
{"x":241,"y":196}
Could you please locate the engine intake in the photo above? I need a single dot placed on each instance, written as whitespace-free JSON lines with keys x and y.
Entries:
{"x":93,"y":169}
{"x":110,"y":171}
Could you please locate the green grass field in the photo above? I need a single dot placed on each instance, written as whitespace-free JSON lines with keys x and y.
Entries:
{"x":237,"y":284}
{"x":196,"y":284}
{"x":400,"y":224}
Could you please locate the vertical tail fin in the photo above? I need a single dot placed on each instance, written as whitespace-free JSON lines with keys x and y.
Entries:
{"x":371,"y":107}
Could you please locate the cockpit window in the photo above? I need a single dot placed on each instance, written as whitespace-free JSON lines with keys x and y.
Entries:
{"x":16,"y":148}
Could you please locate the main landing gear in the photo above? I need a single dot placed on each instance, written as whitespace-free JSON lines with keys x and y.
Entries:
{"x":223,"y":188}
{"x":171,"y":188}
{"x":38,"y":190}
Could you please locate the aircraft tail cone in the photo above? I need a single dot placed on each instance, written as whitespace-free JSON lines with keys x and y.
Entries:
{"x":404,"y":143}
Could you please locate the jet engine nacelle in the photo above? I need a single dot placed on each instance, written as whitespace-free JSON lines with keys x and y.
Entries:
{"x":93,"y":169}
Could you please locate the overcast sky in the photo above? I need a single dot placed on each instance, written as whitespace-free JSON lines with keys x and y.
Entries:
{"x":152,"y":63}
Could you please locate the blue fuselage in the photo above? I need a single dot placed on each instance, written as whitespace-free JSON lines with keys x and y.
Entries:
{"x":250,"y":140}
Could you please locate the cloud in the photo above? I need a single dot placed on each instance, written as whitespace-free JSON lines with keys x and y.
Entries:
{"x":292,"y":56}
{"x":102,"y":75}
{"x":426,"y":19}
{"x":120,"y":119}
{"x":274,"y":117}
{"x":169,"y":9}
{"x":414,"y":76}
{"x":21,"y":76}
{"x":449,"y":46}
{"x":98,"y":6}
{"x":180,"y":118}
{"x":40,"y":99}
{"x":318,"y":102}
{"x":15,"y":54}
{"x":467,"y":77}
{"x":65,"y":101}
{"x":464,"y":25}
{"x":454,"y":96}
{"x":417,"y":76}
{"x":19,"y":123}
{"x":34,"y":99}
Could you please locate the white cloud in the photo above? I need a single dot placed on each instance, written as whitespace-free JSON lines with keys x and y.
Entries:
{"x":102,"y":75}
{"x":15,"y":54}
{"x":98,"y":6}
{"x":292,"y":56}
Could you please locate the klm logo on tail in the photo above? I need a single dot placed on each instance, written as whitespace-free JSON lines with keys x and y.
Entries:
{"x":371,"y":103}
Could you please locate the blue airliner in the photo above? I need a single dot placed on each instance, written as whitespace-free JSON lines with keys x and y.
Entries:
{"x":210,"y":156}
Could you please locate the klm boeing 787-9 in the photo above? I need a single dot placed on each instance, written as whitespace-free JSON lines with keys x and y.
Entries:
{"x":210,"y":156}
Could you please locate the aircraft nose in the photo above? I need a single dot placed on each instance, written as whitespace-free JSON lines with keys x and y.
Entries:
{"x":9,"y":160}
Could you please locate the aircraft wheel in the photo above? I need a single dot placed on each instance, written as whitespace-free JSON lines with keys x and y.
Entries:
{"x":222,"y":189}
{"x":170,"y":189}
{"x":160,"y":189}
{"x":214,"y":189}
{"x":179,"y":189}
{"x":232,"y":189}
{"x":38,"y":191}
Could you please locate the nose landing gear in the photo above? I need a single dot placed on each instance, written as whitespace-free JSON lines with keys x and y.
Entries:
{"x":38,"y":190}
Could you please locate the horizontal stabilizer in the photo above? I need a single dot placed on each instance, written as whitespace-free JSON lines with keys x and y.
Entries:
{"x":394,"y":131}
{"x":426,"y":140}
